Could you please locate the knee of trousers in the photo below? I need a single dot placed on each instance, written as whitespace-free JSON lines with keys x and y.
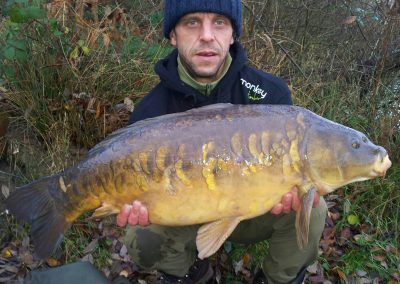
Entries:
{"x":155,"y":247}
{"x":144,"y":245}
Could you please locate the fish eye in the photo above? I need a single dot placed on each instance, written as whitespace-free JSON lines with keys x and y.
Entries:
{"x":355,"y":145}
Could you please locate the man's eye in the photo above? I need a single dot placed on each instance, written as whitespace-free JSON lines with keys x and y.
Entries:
{"x":220,"y":22}
{"x":192,"y":22}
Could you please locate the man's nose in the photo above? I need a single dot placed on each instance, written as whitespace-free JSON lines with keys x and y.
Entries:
{"x":207,"y":32}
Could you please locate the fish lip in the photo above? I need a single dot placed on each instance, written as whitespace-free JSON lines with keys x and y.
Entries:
{"x":381,"y":166}
{"x":377,"y":173}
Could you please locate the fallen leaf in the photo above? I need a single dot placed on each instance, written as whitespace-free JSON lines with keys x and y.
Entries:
{"x":363,"y":281}
{"x":237,"y":266}
{"x":91,"y":246}
{"x":27,"y":258}
{"x":361,"y":273}
{"x":379,"y":257}
{"x":341,"y":274}
{"x":246,"y":259}
{"x":345,"y":235}
{"x":5,"y":190}
{"x":88,"y":257}
{"x":349,"y":20}
{"x":124,"y":273}
{"x":316,"y":278}
{"x":313,"y":268}
{"x":52,"y":262}
{"x":7,"y":252}
{"x":363,"y":238}
{"x":123,"y":251}
{"x":129,"y":104}
{"x":384,"y":264}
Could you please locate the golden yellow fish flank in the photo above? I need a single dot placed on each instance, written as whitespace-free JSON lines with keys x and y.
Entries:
{"x":215,"y":165}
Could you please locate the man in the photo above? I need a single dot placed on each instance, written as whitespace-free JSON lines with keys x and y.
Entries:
{"x":209,"y":66}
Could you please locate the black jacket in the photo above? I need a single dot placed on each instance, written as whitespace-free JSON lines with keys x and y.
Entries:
{"x":242,"y":84}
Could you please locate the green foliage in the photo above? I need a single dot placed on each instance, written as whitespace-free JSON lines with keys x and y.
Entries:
{"x":373,"y":256}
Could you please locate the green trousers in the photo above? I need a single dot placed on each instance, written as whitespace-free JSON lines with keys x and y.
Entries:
{"x":173,"y":249}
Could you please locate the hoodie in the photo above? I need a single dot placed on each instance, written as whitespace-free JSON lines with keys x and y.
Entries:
{"x":242,"y":84}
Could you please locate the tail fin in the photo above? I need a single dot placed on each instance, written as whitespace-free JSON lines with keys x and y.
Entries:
{"x":33,"y":203}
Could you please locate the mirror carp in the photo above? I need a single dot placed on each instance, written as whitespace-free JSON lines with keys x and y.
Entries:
{"x":216,"y":165}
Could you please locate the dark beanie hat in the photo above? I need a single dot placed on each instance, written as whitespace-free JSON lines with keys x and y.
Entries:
{"x":175,"y":9}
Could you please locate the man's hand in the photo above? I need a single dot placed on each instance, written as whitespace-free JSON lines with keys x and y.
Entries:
{"x":290,"y":201}
{"x":133,"y":214}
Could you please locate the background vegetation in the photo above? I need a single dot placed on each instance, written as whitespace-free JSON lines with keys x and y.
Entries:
{"x":71,"y":72}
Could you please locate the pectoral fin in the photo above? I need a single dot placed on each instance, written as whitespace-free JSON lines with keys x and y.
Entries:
{"x":303,"y":217}
{"x":105,"y":210}
{"x":211,"y":236}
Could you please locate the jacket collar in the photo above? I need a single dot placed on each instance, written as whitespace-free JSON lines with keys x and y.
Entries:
{"x":167,"y":70}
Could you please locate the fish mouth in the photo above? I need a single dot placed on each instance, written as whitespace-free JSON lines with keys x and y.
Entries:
{"x":381,"y":167}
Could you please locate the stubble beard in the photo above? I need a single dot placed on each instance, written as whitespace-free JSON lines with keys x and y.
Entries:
{"x":200,"y":75}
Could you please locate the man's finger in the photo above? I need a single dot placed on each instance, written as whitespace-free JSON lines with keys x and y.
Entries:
{"x":133,"y":218}
{"x":287,"y":202}
{"x":277,"y":209}
{"x":296,"y":203}
{"x":122,"y":217}
{"x":143,"y":216}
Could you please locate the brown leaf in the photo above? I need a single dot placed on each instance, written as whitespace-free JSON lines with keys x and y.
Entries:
{"x":124,"y":273}
{"x":349,"y":20}
{"x":340,"y":273}
{"x":379,"y":257}
{"x":52,"y":262}
{"x":366,"y":229}
{"x":316,"y":278}
{"x":345,"y":235}
{"x":328,"y":233}
{"x":27,"y":258}
{"x":246,"y":259}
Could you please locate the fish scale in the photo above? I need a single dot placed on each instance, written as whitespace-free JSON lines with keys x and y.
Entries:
{"x":216,"y":166}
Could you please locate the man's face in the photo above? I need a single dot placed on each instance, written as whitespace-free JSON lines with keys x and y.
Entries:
{"x":203,"y":41}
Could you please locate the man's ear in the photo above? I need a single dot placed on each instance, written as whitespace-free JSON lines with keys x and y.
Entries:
{"x":172,"y":37}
